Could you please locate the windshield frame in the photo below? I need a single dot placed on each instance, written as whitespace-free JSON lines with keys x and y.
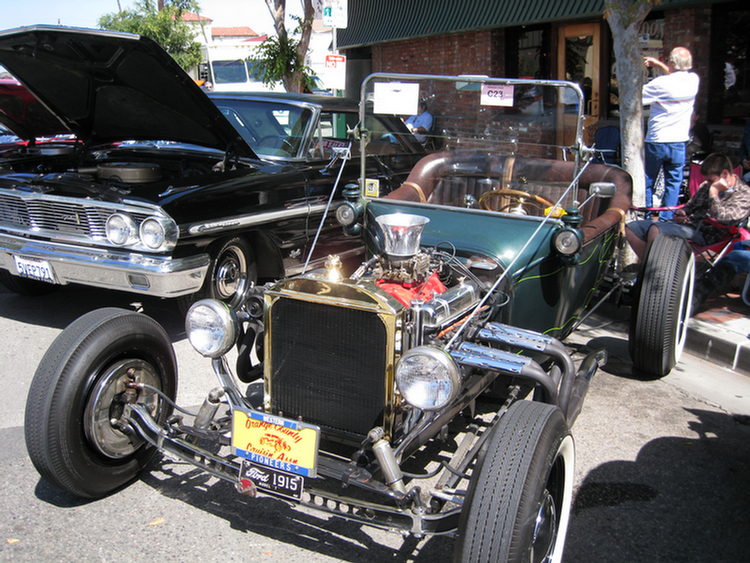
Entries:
{"x":577,"y":149}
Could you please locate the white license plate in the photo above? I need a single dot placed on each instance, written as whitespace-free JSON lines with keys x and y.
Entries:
{"x":272,"y":481}
{"x":39,"y":270}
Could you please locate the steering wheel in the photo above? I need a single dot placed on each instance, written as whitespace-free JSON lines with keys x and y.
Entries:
{"x":517,"y":197}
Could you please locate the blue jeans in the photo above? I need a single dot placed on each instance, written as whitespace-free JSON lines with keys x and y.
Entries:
{"x":739,"y":258}
{"x":670,"y":157}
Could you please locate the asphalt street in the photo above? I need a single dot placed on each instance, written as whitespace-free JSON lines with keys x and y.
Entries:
{"x":661,"y":469}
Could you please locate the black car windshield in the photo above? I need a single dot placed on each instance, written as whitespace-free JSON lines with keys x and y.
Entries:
{"x":272,"y":129}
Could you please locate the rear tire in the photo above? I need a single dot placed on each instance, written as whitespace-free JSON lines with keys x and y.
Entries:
{"x":23,"y":286}
{"x":518,"y":504}
{"x":76,"y":390}
{"x":664,"y":294}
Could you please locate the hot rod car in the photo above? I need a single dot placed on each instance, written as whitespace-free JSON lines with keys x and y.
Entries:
{"x":478,"y":265}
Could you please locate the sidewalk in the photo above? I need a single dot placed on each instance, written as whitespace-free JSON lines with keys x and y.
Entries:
{"x":720,"y":332}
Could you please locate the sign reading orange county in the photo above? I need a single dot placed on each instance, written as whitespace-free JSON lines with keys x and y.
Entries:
{"x":286,"y":445}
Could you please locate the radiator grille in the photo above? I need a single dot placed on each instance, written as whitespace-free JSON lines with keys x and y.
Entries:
{"x":328,"y":365}
{"x":58,"y":217}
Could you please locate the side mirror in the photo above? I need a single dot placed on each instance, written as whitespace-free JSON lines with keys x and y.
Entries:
{"x":602,"y":189}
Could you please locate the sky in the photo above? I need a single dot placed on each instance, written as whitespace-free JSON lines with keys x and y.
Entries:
{"x":85,"y":13}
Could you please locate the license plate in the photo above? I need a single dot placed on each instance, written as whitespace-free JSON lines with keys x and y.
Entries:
{"x":273,"y":481}
{"x":39,"y":270}
{"x":279,"y":443}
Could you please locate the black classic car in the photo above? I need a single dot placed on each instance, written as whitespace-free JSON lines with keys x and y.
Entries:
{"x":427,"y":391}
{"x":158,"y":188}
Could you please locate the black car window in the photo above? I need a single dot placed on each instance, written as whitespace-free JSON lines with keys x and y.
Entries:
{"x":332,"y":132}
{"x":272,"y":129}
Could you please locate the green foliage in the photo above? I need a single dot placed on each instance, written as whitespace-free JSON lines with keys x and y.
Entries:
{"x":278,"y":59}
{"x":166,"y":27}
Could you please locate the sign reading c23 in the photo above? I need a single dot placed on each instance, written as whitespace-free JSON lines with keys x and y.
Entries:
{"x":497,"y":95}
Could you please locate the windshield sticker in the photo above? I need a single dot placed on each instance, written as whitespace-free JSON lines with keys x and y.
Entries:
{"x":497,"y":95}
{"x":372,"y":187}
{"x":396,"y":98}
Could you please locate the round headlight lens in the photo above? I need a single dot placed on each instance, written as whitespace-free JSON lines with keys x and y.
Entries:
{"x":346,"y":214}
{"x":152,"y":233}
{"x":121,"y":229}
{"x":567,"y":242}
{"x":211,"y":327}
{"x":428,"y":378}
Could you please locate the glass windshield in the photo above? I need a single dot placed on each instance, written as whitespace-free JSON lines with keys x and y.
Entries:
{"x":272,"y":129}
{"x":505,"y":117}
{"x":475,"y":128}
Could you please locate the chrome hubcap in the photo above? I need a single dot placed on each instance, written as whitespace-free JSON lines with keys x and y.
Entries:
{"x":231,"y":273}
{"x":545,"y":530}
{"x":105,"y":405}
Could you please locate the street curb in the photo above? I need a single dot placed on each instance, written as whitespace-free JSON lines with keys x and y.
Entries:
{"x":715,"y":344}
{"x":725,"y":344}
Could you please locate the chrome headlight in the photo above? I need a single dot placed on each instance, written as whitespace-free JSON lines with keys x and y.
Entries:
{"x":567,"y":242}
{"x":121,"y":229}
{"x":211,"y":327}
{"x":348,"y":213}
{"x":428,"y":378}
{"x":156,"y":231}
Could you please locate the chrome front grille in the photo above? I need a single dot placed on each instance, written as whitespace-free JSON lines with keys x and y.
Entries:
{"x":62,"y":218}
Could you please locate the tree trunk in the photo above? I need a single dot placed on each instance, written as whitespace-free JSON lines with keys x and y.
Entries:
{"x":625,"y":18}
{"x":293,"y":81}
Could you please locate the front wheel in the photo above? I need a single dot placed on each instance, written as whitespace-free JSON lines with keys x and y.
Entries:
{"x":78,"y":391}
{"x":664,"y":294}
{"x":518,"y":504}
{"x":24,"y":286}
{"x":231,"y":275}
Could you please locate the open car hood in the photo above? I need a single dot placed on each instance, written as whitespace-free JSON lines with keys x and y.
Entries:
{"x":23,"y":115}
{"x":107,"y":87}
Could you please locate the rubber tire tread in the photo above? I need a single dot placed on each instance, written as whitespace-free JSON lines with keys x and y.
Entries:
{"x":653,"y":325}
{"x":507,"y":484}
{"x":53,"y":423}
{"x":27,"y":287}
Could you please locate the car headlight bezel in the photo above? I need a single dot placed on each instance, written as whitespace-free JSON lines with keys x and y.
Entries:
{"x":567,"y":242}
{"x":121,"y":229}
{"x":428,"y":378}
{"x":156,"y":232}
{"x":212,"y":327}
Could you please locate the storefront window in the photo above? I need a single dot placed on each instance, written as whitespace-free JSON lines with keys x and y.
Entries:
{"x":529,"y":53}
{"x":729,"y":96}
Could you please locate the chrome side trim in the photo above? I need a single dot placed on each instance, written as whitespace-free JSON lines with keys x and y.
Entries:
{"x":253,"y":219}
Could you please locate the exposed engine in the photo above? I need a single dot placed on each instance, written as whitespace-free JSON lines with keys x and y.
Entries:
{"x":432,"y":283}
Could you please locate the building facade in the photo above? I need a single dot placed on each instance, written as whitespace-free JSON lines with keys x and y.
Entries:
{"x":556,"y":39}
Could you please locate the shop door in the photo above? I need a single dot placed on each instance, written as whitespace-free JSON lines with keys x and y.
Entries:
{"x":578,"y":61}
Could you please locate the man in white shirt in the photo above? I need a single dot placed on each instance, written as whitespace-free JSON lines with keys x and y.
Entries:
{"x":671,"y":98}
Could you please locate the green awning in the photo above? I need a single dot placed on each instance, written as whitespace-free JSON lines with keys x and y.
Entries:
{"x":378,"y":21}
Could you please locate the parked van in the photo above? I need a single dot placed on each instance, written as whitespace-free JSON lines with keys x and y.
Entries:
{"x":229,"y":68}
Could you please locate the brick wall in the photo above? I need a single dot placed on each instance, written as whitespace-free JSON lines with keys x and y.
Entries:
{"x":481,"y":52}
{"x":691,"y":28}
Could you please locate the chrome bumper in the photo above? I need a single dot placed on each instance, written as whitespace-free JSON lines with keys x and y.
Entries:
{"x":160,"y":276}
